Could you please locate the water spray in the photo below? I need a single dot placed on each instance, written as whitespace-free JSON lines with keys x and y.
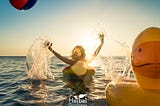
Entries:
{"x":38,"y":60}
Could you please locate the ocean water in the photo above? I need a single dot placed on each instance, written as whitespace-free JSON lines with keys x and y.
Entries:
{"x":16,"y":89}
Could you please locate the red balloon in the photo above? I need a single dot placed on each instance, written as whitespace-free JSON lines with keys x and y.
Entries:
{"x":22,"y":4}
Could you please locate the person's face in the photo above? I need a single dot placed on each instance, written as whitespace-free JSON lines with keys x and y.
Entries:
{"x":76,"y":54}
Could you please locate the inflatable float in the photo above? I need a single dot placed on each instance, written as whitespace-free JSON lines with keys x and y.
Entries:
{"x":145,"y":59}
{"x":78,"y":71}
{"x":78,"y":76}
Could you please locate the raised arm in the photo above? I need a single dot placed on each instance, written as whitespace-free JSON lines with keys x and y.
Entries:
{"x":101,"y":37}
{"x":62,"y":58}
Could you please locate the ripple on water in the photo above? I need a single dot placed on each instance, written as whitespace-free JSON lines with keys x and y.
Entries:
{"x":15,"y":88}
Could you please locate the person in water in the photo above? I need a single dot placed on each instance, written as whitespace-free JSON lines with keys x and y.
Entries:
{"x":78,"y":68}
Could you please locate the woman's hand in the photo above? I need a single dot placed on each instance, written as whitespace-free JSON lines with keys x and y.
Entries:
{"x":49,"y":46}
{"x":101,"y":37}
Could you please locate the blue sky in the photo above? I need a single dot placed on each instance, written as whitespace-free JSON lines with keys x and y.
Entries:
{"x":67,"y":22}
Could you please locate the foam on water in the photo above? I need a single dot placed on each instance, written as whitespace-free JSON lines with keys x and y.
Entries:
{"x":38,"y":60}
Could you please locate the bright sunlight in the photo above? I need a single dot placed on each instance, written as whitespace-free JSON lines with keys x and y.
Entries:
{"x":90,"y":43}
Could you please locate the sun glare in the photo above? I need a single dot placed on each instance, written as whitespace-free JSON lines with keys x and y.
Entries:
{"x":89,"y":42}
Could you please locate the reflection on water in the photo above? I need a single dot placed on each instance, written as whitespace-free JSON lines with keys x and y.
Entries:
{"x":16,"y":89}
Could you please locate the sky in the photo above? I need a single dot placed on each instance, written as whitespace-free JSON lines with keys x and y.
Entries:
{"x":76,"y":22}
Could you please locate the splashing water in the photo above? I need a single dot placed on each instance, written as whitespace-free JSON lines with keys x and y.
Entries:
{"x":118,"y":67}
{"x":38,"y":60}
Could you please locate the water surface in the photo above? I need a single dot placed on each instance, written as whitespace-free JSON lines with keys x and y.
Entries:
{"x":15,"y":88}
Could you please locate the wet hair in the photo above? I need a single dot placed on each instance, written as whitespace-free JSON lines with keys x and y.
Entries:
{"x":78,"y":52}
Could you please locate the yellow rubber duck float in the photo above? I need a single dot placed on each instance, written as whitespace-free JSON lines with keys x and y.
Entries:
{"x":145,"y":59}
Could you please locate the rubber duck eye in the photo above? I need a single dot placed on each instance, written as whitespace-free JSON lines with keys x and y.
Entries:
{"x":139,"y":49}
